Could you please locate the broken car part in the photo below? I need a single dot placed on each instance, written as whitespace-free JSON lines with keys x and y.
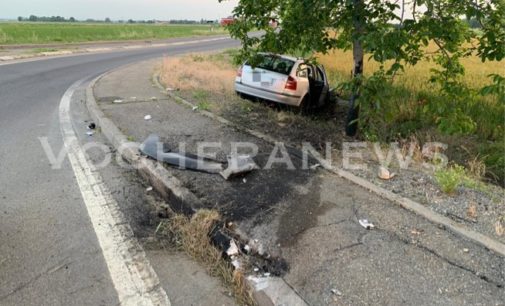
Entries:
{"x":153,"y":148}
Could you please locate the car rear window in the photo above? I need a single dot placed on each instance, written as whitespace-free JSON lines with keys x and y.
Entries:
{"x":276,"y":64}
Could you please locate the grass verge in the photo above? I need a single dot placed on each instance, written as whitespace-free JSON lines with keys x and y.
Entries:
{"x":42,"y":33}
{"x":408,"y":113}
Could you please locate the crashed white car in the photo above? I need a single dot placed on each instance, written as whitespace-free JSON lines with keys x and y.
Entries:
{"x":284,"y":79}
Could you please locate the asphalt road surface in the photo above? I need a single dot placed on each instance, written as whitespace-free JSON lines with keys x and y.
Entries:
{"x":49,"y":252}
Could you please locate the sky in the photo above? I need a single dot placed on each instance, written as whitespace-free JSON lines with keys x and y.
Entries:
{"x":119,"y":9}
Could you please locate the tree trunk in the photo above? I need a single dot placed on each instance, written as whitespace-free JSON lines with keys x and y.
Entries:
{"x":353,"y":115}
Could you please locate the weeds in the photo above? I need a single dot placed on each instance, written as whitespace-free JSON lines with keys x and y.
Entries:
{"x":449,"y":179}
{"x":203,"y":105}
{"x":192,"y":236}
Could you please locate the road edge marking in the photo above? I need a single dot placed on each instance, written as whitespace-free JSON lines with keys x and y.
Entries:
{"x":134,"y":279}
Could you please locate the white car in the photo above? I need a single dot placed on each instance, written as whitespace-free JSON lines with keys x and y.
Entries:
{"x":284,"y":79}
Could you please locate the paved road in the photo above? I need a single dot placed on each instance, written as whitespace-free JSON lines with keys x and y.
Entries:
{"x":49,"y":253}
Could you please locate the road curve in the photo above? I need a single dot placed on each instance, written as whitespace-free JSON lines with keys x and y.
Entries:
{"x":49,"y":252}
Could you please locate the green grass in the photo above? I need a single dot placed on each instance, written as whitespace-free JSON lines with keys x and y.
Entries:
{"x":41,"y":33}
{"x":412,"y":107}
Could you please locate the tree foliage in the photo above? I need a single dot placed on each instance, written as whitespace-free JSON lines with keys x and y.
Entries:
{"x":393,"y":33}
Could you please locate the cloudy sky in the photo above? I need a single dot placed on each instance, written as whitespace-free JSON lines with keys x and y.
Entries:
{"x":119,"y":9}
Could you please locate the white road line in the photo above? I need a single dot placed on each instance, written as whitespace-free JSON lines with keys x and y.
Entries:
{"x":134,"y":279}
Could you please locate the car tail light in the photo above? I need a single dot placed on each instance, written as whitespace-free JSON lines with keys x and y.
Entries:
{"x":291,"y":83}
{"x":239,"y":72}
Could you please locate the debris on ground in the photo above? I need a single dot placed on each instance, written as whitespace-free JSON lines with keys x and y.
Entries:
{"x":385,"y":174}
{"x":90,"y":133}
{"x":471,"y":211}
{"x":151,"y":148}
{"x":233,"y":249}
{"x":314,"y":167}
{"x":117,"y":101}
{"x":236,"y":164}
{"x":499,"y":228}
{"x":148,"y":189}
{"x":154,"y":99}
{"x":366,"y":224}
{"x":148,"y":117}
{"x":195,"y":108}
{"x":416,"y":232}
{"x":336,"y":292}
{"x":91,"y":126}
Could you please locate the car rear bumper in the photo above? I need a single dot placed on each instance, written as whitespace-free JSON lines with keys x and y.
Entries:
{"x":268,"y":95}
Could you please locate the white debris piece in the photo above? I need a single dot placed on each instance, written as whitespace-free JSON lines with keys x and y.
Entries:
{"x":314,"y":167}
{"x":256,"y":269}
{"x":195,"y":108}
{"x":236,"y":263}
{"x":118,"y":101}
{"x":233,"y":249}
{"x":89,"y":133}
{"x":148,"y":117}
{"x":366,"y":224}
{"x":266,"y":274}
{"x":336,"y":292}
{"x":247,"y":248}
{"x":154,"y":98}
{"x":244,"y":180}
{"x":384,"y":173}
{"x":149,"y":189}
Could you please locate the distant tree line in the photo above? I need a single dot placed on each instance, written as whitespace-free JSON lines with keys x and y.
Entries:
{"x":34,"y":18}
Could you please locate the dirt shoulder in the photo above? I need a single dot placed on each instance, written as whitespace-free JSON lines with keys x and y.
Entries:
{"x":308,"y":217}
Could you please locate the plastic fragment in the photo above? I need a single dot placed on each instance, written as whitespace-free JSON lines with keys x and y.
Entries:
{"x":366,"y":224}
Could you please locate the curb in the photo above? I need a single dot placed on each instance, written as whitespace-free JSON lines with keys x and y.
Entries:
{"x":406,"y":203}
{"x":167,"y":185}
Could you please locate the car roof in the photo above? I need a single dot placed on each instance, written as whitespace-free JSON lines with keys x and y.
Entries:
{"x":291,"y":58}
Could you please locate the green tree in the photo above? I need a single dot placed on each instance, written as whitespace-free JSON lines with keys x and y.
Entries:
{"x":394,"y":33}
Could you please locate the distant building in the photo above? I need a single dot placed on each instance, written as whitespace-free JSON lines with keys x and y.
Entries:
{"x":227,"y":21}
